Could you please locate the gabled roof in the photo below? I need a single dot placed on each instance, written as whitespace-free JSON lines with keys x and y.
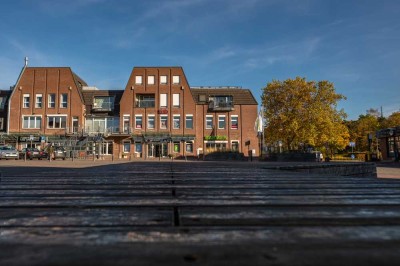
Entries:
{"x":240,"y":96}
{"x":78,"y":81}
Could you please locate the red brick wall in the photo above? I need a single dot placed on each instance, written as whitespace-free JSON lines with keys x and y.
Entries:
{"x":44,"y":81}
{"x":187,"y":105}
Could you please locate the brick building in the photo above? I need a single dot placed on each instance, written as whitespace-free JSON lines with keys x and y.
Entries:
{"x":157,"y":115}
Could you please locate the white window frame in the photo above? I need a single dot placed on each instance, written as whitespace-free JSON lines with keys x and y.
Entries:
{"x":39,"y":100}
{"x":51,"y":100}
{"x":136,"y":121}
{"x":220,"y":119}
{"x":163,"y":79}
{"x":212,"y":121}
{"x":154,"y":121}
{"x":60,"y":117}
{"x":186,"y":119}
{"x":26,"y":100}
{"x":190,"y":144}
{"x":126,"y":144}
{"x":176,"y":118}
{"x":38,"y":124}
{"x":138,"y":80}
{"x":163,"y":100}
{"x":176,"y":100}
{"x":236,"y":141}
{"x":163,"y":117}
{"x":176,"y":79}
{"x":126,"y":118}
{"x":151,"y":80}
{"x":237,"y":120}
{"x":64,"y":101}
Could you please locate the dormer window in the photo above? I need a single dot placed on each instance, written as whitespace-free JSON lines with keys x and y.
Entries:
{"x":2,"y":102}
{"x":221,"y":103}
{"x":103,"y":103}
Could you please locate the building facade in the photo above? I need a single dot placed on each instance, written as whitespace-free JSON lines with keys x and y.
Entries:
{"x":389,"y":143}
{"x":157,"y":115}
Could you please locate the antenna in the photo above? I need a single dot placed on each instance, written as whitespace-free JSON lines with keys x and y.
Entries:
{"x":26,"y":61}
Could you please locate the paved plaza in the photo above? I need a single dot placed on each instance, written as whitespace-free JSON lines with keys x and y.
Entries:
{"x":194,"y":213}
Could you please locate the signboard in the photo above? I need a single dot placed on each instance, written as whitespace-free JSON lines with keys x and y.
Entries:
{"x":352,"y":144}
{"x":163,"y":111}
{"x":30,"y":138}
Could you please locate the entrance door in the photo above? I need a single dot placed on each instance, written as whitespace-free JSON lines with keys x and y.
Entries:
{"x":161,"y":150}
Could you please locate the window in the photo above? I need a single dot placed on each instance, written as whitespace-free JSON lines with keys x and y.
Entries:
{"x":26,"y":100}
{"x":221,"y":122}
{"x":127,"y":147}
{"x":38,"y":101}
{"x":177,"y":146}
{"x":163,"y":100}
{"x":163,"y":79}
{"x":215,"y":147}
{"x":51,"y":103}
{"x":56,"y":122}
{"x":163,"y":122}
{"x":145,"y":100}
{"x":189,"y":147}
{"x":177,"y":121}
{"x":151,"y":123}
{"x":75,"y":124}
{"x":138,"y":122}
{"x":126,"y":123}
{"x":234,"y":122}
{"x":202,"y":97}
{"x":150,"y":80}
{"x":32,"y":122}
{"x":103,"y":103}
{"x":138,"y":80}
{"x":2,"y":102}
{"x":138,"y":147}
{"x":235,"y":146}
{"x":175,"y":79}
{"x":175,"y":100}
{"x":1,"y":123}
{"x":63,"y":100}
{"x":209,"y":122}
{"x":189,"y":121}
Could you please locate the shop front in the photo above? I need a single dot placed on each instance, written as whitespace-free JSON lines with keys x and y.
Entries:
{"x":389,"y":143}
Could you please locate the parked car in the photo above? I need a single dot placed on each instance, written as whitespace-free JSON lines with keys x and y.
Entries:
{"x":31,"y":153}
{"x":8,"y":152}
{"x":59,"y":153}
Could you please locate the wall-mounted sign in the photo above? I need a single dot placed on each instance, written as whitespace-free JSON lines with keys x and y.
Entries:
{"x":163,"y":111}
{"x":29,"y":139}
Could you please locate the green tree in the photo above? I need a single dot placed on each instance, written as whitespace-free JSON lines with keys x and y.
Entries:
{"x":361,"y":129}
{"x":392,"y":120}
{"x":300,"y":113}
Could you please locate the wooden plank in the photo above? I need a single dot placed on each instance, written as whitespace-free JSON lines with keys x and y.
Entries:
{"x":201,"y":213}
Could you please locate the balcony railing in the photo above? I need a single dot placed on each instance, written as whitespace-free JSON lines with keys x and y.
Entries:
{"x":221,"y":106}
{"x":103,"y":131}
{"x":146,"y":104}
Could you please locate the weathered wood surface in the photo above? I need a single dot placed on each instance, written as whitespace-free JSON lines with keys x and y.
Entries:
{"x":195,"y":213}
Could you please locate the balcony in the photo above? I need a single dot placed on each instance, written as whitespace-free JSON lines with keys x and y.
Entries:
{"x":221,"y":104}
{"x":145,"y":101}
{"x":145,"y":104}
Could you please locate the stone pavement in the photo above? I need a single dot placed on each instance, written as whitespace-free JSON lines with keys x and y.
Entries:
{"x":200,"y":213}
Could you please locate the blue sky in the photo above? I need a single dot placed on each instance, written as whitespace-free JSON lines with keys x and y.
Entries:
{"x":353,"y":43}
